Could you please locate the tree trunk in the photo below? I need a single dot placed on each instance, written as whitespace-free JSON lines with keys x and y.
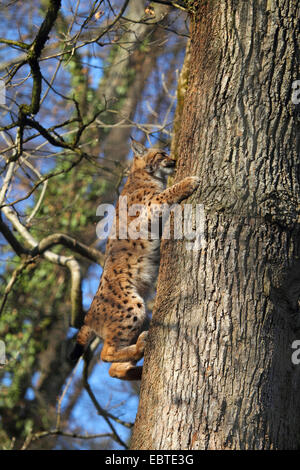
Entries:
{"x":218,"y":372}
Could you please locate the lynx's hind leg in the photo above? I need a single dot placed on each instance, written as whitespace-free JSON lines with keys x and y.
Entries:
{"x":125,"y":371}
{"x":132,"y":353}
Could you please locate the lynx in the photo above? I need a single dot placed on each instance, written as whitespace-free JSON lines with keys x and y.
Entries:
{"x":117,"y":313}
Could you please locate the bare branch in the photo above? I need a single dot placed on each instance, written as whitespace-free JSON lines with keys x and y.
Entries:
{"x":34,"y":52}
{"x":11,"y":239}
{"x":57,"y":432}
{"x":179,"y":4}
{"x":12,"y":42}
{"x":61,"y":239}
{"x":6,"y":181}
{"x":70,"y":262}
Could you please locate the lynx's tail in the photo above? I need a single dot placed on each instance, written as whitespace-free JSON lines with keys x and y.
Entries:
{"x":84,"y":336}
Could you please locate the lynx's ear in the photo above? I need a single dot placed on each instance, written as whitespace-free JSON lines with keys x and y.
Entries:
{"x":138,"y":149}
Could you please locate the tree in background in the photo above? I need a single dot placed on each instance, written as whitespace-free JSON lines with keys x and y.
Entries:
{"x":80,"y":79}
{"x":218,"y":365}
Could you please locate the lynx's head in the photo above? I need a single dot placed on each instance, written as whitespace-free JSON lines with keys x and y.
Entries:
{"x":154,"y":161}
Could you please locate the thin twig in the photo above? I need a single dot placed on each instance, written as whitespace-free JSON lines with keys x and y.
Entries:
{"x":60,"y":399}
{"x":13,"y":280}
{"x":101,"y":411}
{"x":57,"y":432}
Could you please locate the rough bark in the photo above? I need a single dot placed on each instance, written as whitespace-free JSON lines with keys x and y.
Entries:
{"x":218,"y":372}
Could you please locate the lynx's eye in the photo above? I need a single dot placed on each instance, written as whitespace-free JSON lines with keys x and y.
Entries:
{"x":168,"y":162}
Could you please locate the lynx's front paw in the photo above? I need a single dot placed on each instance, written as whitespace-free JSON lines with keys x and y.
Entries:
{"x":141,"y":342}
{"x":191,"y":183}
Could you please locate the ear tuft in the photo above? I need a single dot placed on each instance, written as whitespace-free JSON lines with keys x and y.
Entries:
{"x":138,"y":149}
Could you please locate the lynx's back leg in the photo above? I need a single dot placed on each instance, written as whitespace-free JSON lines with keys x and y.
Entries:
{"x":132,"y":353}
{"x":125,"y":371}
